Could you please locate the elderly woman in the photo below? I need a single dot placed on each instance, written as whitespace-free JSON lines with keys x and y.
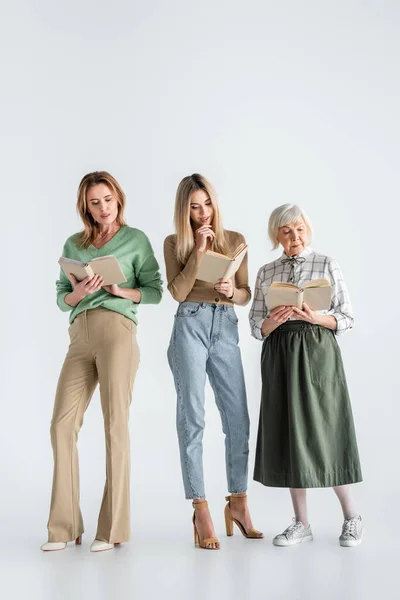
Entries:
{"x":306,"y":433}
{"x":103,"y":349}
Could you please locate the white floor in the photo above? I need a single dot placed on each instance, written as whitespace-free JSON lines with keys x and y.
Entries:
{"x":161,"y":561}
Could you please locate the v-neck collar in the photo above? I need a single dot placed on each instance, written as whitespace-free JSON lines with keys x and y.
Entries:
{"x":111,"y":243}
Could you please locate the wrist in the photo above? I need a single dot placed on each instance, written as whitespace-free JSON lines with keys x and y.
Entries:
{"x":78,"y":296}
{"x":316,"y":319}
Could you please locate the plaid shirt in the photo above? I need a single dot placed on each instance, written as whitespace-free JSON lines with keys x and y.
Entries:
{"x":306,"y":266}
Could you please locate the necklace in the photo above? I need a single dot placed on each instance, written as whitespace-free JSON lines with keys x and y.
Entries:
{"x":107,"y":233}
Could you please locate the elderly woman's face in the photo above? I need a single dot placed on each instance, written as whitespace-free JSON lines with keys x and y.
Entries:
{"x":293,"y":238}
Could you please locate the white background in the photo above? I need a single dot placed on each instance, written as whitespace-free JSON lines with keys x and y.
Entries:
{"x":274,"y":102}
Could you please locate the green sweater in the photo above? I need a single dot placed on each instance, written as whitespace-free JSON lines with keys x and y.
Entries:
{"x":135,"y":255}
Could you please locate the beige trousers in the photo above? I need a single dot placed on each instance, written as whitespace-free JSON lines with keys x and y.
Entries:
{"x":103,"y":349}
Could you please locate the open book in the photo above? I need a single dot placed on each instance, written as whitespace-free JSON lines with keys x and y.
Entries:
{"x":317,"y":294}
{"x":107,"y":266}
{"x":214,"y":266}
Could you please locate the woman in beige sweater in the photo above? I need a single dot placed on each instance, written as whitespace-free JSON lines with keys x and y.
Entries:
{"x":204,"y":342}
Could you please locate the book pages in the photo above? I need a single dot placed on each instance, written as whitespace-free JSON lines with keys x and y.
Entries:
{"x":106,"y":266}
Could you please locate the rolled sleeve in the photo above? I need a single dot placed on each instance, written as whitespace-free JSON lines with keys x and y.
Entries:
{"x":341,"y":307}
{"x":258,"y":312}
{"x":257,"y":328}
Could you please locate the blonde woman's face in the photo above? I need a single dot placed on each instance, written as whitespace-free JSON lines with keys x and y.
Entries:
{"x":201,"y":209}
{"x":293,"y":238}
{"x":102,"y":204}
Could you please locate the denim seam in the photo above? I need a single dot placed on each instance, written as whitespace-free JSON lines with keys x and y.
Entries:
{"x":180,"y":400}
{"x":227,"y":425}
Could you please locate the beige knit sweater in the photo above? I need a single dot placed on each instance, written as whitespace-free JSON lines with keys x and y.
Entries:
{"x":184,"y":286}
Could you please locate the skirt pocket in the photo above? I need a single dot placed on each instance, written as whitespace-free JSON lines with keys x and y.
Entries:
{"x":324,"y":358}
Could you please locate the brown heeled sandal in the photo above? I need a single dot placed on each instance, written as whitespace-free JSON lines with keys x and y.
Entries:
{"x":253,"y":534}
{"x":203,"y":543}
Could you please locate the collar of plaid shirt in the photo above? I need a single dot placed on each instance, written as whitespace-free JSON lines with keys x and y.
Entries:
{"x":305,"y":254}
{"x":295,"y":260}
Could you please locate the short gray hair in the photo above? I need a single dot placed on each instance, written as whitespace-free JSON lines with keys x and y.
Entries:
{"x":287,"y":214}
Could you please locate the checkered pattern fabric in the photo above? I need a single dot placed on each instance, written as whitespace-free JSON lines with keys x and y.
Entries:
{"x":309,"y":265}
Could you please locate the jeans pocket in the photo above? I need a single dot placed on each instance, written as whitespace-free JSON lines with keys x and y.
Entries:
{"x":188,"y":309}
{"x":230,"y":313}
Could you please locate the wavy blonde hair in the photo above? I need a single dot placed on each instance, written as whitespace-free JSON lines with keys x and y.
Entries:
{"x":183,"y":226}
{"x":91,"y":227}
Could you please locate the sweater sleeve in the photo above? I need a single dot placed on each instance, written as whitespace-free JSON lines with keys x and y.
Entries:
{"x":180,"y":279}
{"x":63,"y":286}
{"x":242,"y":292}
{"x":149,"y":277}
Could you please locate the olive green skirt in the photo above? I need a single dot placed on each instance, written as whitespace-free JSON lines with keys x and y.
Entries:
{"x":306,"y":434}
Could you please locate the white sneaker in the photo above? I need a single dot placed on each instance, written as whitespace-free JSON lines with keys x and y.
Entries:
{"x":352,"y":532}
{"x":99,"y":546}
{"x":296,"y":533}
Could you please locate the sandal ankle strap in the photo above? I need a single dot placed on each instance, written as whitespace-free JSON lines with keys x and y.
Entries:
{"x":236,"y":499}
{"x":202,"y":504}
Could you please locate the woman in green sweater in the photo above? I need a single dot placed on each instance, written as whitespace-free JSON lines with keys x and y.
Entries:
{"x":104,"y":350}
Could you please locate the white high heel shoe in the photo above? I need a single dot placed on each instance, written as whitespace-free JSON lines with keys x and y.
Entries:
{"x":52,"y":546}
{"x":99,"y":546}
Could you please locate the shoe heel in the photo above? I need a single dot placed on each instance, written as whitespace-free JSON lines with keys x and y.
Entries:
{"x":195,"y":535}
{"x":78,"y":541}
{"x":228,"y":523}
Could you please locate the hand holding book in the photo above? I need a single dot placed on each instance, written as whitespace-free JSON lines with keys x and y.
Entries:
{"x":80,"y":289}
{"x":225,"y":286}
{"x":276,"y":317}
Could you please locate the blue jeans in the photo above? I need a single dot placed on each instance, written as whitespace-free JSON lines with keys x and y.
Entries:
{"x":205,"y":341}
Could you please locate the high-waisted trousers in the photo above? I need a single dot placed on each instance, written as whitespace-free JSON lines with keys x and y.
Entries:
{"x":103,"y":349}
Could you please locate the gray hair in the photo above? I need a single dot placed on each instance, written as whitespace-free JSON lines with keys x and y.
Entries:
{"x":287,"y":214}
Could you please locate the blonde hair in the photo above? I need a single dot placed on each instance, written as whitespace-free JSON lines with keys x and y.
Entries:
{"x":91,"y":227}
{"x":183,"y":227}
{"x":287,"y":214}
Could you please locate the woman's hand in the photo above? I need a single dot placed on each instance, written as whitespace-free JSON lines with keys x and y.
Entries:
{"x":87,"y":286}
{"x":113,"y":289}
{"x":306,"y":314}
{"x":201,"y":235}
{"x":315,"y":318}
{"x":224,"y":286}
{"x":277,"y":316}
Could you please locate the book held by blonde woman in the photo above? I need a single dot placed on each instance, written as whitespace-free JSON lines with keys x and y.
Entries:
{"x":215,"y":266}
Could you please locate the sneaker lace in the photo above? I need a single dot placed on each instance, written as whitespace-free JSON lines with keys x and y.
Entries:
{"x":350,"y":526}
{"x":291,"y":530}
